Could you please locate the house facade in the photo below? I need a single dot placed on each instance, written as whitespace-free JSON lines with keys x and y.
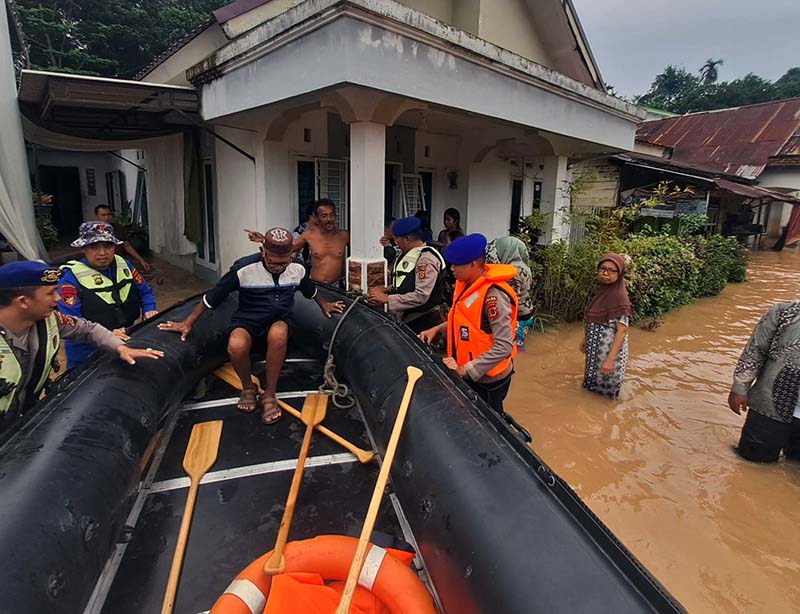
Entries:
{"x":386,"y":108}
{"x":743,"y":165}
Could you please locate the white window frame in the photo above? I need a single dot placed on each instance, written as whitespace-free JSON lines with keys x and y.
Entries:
{"x":203,"y":261}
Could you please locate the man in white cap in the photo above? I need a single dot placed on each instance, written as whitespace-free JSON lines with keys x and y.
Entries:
{"x":266,"y":283}
{"x":102,"y":287}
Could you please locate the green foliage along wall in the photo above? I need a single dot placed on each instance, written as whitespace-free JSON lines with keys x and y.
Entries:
{"x":665,"y":272}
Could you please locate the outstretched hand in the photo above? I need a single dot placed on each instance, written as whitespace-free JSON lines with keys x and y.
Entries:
{"x":451,"y":364}
{"x":429,"y":336}
{"x":254,"y":236}
{"x":129,"y":354}
{"x":184,"y":328}
{"x":330,"y":308}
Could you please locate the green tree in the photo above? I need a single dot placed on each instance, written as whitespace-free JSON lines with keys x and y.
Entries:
{"x":679,"y":91}
{"x":788,"y":86}
{"x":709,"y":71}
{"x":671,"y":90}
{"x":112,"y":38}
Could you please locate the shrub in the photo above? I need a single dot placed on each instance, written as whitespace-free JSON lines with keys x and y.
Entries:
{"x":664,"y":274}
{"x":568,"y":278}
{"x":47,"y":230}
{"x":723,"y":261}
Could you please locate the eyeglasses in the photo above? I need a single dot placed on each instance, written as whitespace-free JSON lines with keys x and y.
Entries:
{"x":603,"y":269}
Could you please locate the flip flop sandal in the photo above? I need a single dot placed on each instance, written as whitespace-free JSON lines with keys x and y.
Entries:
{"x":270,"y":410}
{"x":248,"y":402}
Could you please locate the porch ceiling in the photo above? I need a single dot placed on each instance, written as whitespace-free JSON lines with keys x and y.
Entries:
{"x":95,"y":107}
{"x":324,"y":44}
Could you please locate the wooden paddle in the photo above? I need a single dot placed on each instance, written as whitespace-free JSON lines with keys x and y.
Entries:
{"x":314,"y":409}
{"x":201,"y":454}
{"x":228,"y":375}
{"x":363,"y":456}
{"x":372,"y":513}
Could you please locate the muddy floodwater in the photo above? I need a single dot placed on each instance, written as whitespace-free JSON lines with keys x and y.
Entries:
{"x":658,"y":467}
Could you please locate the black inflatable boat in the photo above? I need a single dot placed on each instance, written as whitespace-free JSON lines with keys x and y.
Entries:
{"x":92,"y":489}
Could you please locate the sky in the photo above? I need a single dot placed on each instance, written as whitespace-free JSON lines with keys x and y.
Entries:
{"x":633,"y":40}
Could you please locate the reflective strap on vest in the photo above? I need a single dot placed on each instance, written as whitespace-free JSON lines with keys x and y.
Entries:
{"x":88,"y":278}
{"x":249,"y":593}
{"x":408,"y":263}
{"x":10,"y":372}
{"x":372,"y":567}
{"x":53,"y":341}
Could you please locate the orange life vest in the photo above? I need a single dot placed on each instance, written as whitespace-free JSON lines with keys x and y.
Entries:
{"x":468,"y":332}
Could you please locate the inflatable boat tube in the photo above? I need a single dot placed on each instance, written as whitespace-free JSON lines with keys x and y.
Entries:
{"x":497,"y":529}
{"x":69,"y":475}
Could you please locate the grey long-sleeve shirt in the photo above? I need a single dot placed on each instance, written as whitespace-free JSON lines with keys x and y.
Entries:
{"x":768,"y":371}
{"x":25,"y":346}
{"x":497,"y":309}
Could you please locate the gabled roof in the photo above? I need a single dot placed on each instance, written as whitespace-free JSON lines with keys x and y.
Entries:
{"x":234,"y":9}
{"x":172,"y":49}
{"x":740,"y":141}
{"x":704,"y":177}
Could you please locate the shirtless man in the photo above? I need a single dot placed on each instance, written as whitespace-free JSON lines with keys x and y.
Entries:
{"x":328,"y":244}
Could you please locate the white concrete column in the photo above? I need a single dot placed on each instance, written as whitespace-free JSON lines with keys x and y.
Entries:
{"x":555,"y":199}
{"x":278,"y":207}
{"x":366,"y":267}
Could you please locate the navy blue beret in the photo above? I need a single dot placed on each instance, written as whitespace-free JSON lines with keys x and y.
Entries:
{"x":406,"y":226}
{"x":466,"y":249}
{"x":28,"y":273}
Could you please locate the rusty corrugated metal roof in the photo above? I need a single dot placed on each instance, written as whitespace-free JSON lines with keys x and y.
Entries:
{"x":739,"y":141}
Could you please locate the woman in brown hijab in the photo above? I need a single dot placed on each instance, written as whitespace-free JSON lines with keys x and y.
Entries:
{"x":607,"y":318}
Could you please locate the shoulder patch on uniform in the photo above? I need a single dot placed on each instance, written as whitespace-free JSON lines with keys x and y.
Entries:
{"x":65,"y":320}
{"x":69,"y":294}
{"x":492,"y":298}
{"x":137,"y":277}
{"x":491,"y":311}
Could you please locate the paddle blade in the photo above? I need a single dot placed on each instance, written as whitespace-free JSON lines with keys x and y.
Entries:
{"x":413,"y":373}
{"x":314,"y":409}
{"x":201,"y":453}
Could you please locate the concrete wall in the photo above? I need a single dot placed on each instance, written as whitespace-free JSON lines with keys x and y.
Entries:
{"x":440,"y":9}
{"x":509,"y":24}
{"x":260,"y":14}
{"x":442,"y":158}
{"x":781,"y":178}
{"x":236,"y":196}
{"x":173,"y":70}
{"x":348,"y":50}
{"x":101,"y":163}
{"x":489,"y":200}
{"x":467,"y":15}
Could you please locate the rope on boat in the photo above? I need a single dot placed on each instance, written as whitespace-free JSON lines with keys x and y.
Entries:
{"x":340,"y":393}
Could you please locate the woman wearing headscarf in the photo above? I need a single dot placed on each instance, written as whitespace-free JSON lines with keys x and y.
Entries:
{"x":510,"y":250}
{"x":607,"y":318}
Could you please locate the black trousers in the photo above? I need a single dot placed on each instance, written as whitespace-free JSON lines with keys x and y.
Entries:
{"x":763,"y":438}
{"x":495,"y":393}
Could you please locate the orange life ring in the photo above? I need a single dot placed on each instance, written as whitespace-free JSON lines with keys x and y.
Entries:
{"x":392,"y":582}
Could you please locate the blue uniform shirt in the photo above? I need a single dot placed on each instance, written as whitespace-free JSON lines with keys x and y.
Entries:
{"x":70,"y":304}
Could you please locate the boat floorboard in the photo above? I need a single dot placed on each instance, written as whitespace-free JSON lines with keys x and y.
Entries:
{"x":240,"y":505}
